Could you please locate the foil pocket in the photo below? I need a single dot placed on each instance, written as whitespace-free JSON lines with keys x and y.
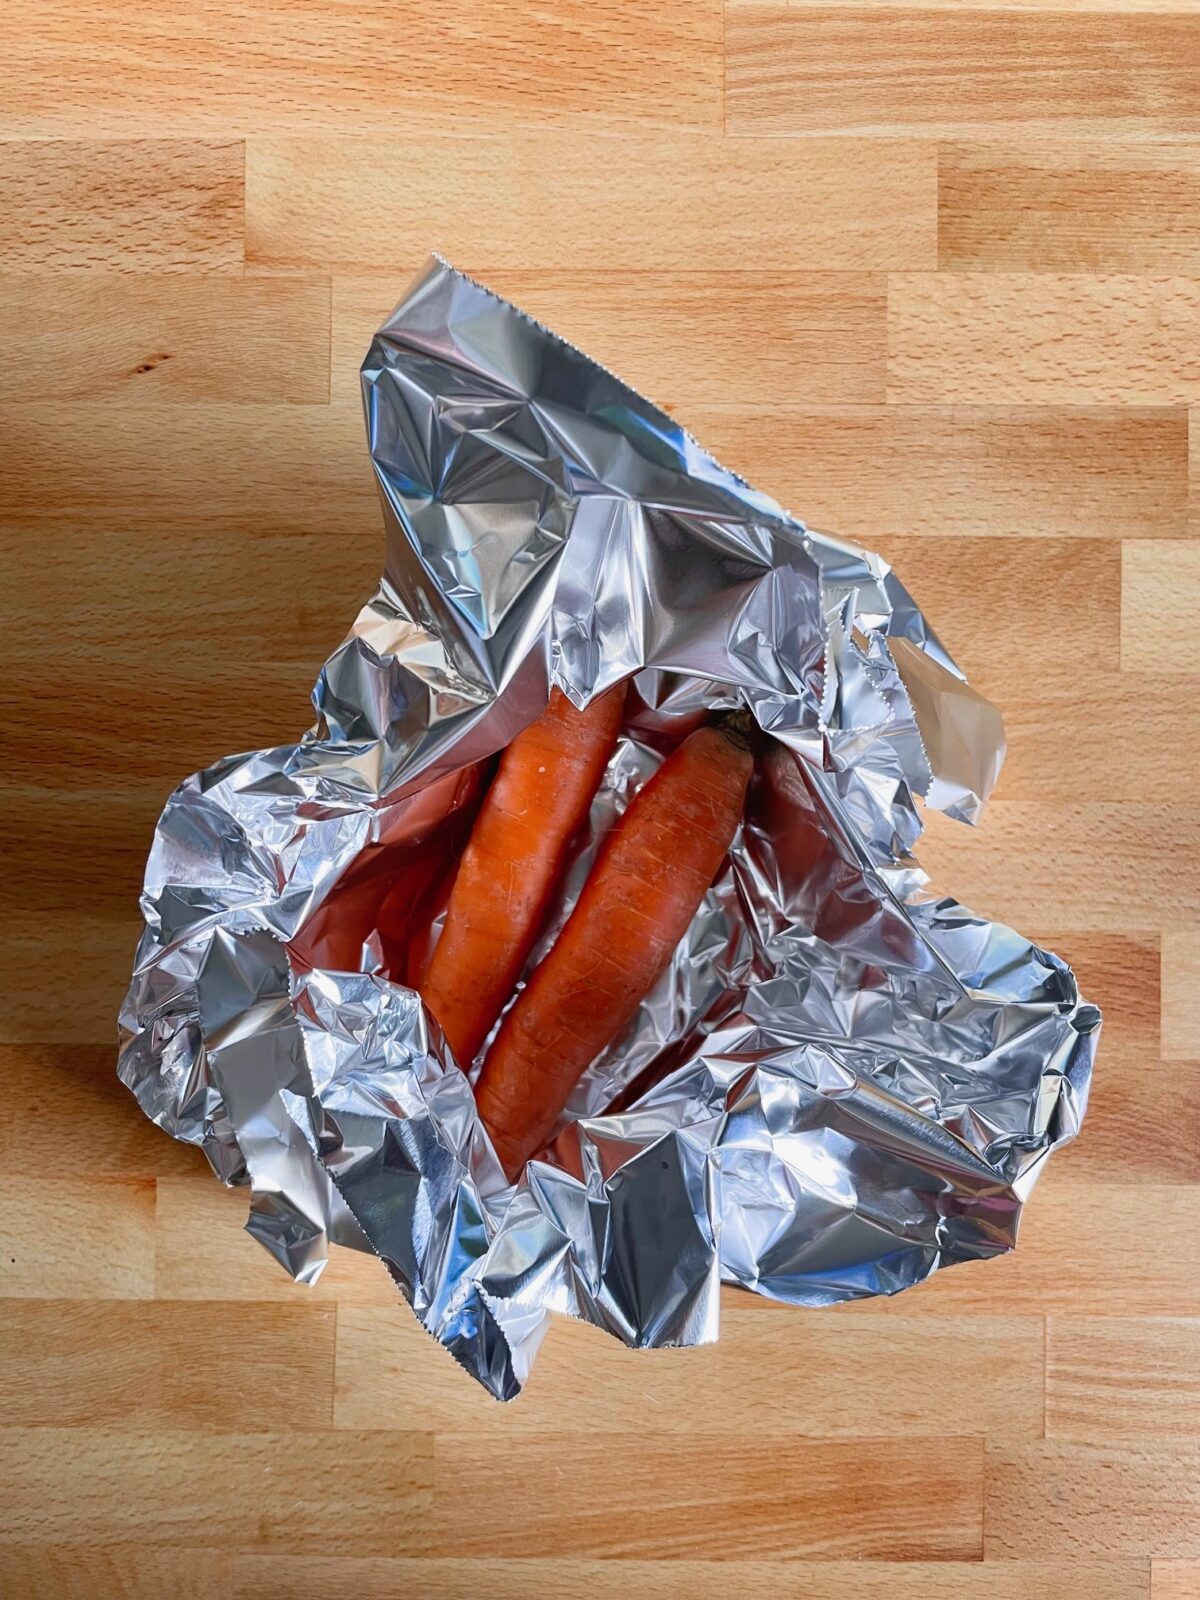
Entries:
{"x":841,"y":1084}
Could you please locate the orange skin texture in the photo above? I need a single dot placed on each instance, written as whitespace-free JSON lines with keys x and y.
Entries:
{"x":642,"y":893}
{"x":512,"y":864}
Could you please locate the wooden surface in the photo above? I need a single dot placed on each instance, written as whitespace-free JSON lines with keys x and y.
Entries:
{"x":931,"y":275}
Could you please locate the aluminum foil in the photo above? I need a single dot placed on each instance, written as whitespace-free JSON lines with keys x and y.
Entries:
{"x":842,"y":1083}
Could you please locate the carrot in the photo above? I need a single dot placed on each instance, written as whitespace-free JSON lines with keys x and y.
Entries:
{"x":640,"y":896}
{"x":512,"y":863}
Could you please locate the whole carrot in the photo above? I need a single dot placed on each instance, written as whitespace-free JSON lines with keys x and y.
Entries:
{"x":512,"y":863}
{"x":640,"y":896}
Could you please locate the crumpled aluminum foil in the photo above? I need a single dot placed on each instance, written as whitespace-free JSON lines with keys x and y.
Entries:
{"x":842,"y":1083}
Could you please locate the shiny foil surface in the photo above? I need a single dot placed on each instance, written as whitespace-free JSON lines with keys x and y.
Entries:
{"x":841,"y":1084}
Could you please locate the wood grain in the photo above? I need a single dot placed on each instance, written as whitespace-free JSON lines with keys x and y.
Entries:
{"x":104,"y":205}
{"x":1037,"y":715}
{"x":1065,"y":1495}
{"x":882,"y":6}
{"x":41,"y":1005}
{"x":1005,"y":620}
{"x":78,"y":1238}
{"x":1045,"y":852}
{"x":684,"y":1496}
{"x":720,"y":205}
{"x":1134,"y":1376}
{"x":78,"y":66}
{"x":166,"y":1366}
{"x":134,"y":1572}
{"x":572,"y":1579}
{"x":1159,"y":586}
{"x":67,"y":1115}
{"x":957,"y":471}
{"x":1174,"y":1580}
{"x":1020,"y":339}
{"x":281,"y":469}
{"x":1181,"y":989}
{"x":903,"y":70}
{"x":1079,"y":208}
{"x":152,"y":340}
{"x":929,"y":274}
{"x":112,"y":1485}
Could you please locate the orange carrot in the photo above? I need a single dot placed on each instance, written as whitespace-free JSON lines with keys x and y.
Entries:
{"x":512,"y":863}
{"x":640,"y":896}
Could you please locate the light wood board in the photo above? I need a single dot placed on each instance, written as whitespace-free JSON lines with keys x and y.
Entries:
{"x":931,"y":275}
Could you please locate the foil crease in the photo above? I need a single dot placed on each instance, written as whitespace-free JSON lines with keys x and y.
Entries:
{"x":841,"y":1084}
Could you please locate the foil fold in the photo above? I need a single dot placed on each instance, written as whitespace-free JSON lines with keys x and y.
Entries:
{"x":841,"y":1084}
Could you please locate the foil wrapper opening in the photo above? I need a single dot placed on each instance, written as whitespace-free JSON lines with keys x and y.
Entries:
{"x":842,"y":1082}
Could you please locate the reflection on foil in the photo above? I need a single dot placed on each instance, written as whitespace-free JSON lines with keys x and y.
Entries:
{"x":840,"y":1084}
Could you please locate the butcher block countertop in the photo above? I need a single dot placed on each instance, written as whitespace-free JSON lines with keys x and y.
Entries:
{"x":930,"y":275}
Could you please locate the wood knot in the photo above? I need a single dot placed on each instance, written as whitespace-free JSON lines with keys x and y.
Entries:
{"x":151,"y":362}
